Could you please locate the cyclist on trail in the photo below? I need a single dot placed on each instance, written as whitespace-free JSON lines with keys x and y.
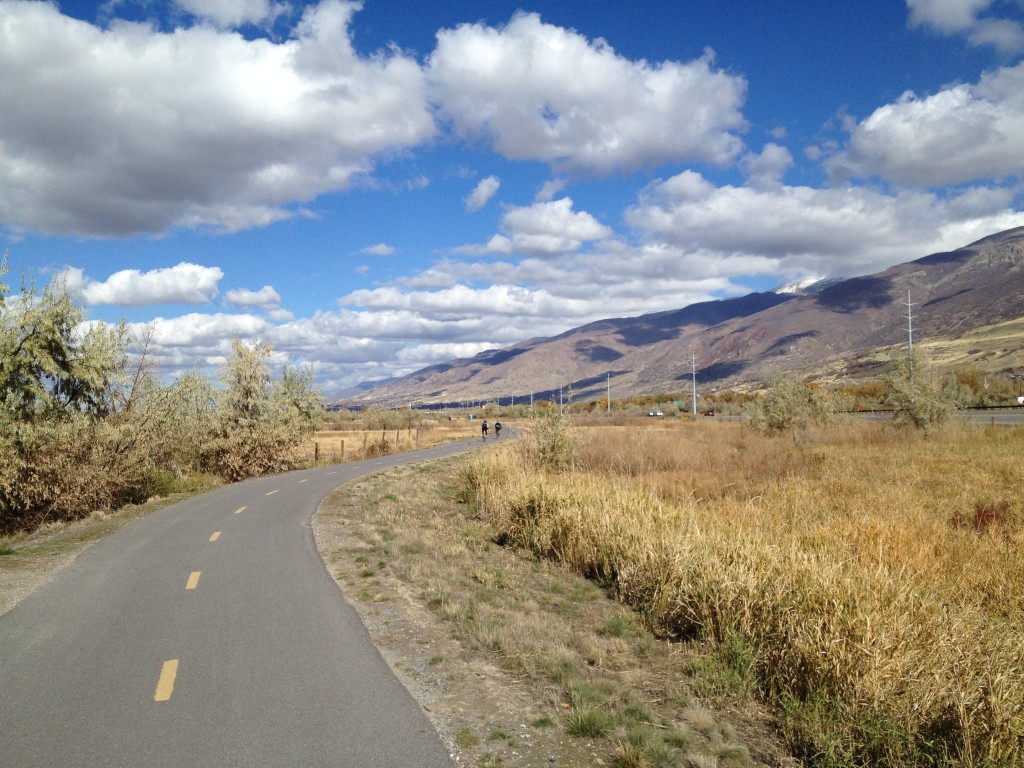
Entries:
{"x":497,"y":430}
{"x":483,"y":429}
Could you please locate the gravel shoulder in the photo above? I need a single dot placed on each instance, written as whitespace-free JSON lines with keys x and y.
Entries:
{"x":504,"y":652}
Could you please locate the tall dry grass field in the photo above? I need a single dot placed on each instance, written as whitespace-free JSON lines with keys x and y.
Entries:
{"x":875,"y":577}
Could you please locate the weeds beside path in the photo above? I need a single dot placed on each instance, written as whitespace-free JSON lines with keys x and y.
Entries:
{"x":866,"y":581}
{"x":518,"y":661}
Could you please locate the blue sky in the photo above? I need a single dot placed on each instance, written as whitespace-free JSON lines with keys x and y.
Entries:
{"x":377,"y":187}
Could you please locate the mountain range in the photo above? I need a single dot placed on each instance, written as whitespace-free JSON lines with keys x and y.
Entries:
{"x":838,"y":328}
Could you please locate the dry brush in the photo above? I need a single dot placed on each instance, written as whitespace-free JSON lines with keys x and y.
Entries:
{"x":875,"y":576}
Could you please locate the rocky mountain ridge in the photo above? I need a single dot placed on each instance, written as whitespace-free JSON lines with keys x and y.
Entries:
{"x":738,"y":342}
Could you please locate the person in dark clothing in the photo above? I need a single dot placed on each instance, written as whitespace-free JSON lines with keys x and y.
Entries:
{"x":497,"y":430}
{"x":483,"y":429}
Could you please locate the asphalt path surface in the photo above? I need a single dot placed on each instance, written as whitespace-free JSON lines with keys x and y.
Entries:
{"x":209,"y":634}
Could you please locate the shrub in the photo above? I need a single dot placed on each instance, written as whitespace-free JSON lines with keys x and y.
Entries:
{"x":66,"y":469}
{"x":590,"y":722}
{"x":552,"y":443}
{"x":917,"y":400}
{"x":790,"y":405}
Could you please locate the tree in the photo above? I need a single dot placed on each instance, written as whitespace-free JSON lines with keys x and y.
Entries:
{"x":246,"y":379}
{"x":62,"y":454}
{"x":259,"y":422}
{"x":51,"y":365}
{"x":294,"y":390}
{"x":83,"y":426}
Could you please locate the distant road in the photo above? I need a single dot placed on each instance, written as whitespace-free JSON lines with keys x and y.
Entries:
{"x":1000,"y":417}
{"x":997,"y":416}
{"x":208,"y":634}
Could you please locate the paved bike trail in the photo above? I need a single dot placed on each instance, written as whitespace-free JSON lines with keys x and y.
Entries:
{"x":208,"y":634}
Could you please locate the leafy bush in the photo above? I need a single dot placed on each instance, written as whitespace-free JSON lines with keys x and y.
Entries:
{"x":790,"y":405}
{"x":918,"y":400}
{"x":66,"y":469}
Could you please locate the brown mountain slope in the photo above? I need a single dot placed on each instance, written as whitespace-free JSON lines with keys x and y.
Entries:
{"x":740,"y":341}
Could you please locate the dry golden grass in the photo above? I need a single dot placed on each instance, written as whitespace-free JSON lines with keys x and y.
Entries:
{"x":337,"y":446}
{"x":875,"y":576}
{"x":509,"y":644}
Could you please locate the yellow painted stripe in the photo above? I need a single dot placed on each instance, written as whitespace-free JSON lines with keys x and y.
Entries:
{"x":165,"y":685}
{"x":330,"y":473}
{"x":240,"y":510}
{"x":215,"y":536}
{"x":303,"y":481}
{"x":271,"y":493}
{"x":193,"y":580}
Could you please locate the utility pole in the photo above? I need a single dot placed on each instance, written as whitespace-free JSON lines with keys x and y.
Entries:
{"x":693,"y":369}
{"x":609,"y":392}
{"x":910,"y":334}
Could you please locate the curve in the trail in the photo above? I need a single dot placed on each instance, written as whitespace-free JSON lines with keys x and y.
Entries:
{"x":208,"y":634}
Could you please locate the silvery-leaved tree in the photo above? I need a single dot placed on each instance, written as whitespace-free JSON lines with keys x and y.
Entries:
{"x":52,"y":365}
{"x":261,"y":422}
{"x":62,"y":454}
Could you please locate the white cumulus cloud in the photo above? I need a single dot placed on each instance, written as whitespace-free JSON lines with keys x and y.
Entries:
{"x":131,"y":130}
{"x":544,"y":228}
{"x":542,"y":92}
{"x":380,"y":249}
{"x":842,"y":231}
{"x":233,"y":13}
{"x":946,"y":15}
{"x":767,"y":168}
{"x":181,"y":284}
{"x":265,"y":298}
{"x":960,"y":134}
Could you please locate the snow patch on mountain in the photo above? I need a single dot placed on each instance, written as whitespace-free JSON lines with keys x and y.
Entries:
{"x":807,"y":285}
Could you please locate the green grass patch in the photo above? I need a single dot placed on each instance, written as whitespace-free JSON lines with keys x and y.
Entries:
{"x":589,"y":722}
{"x":558,"y":668}
{"x":728,"y":671}
{"x":617,"y":625}
{"x":583,"y":694}
{"x":466,"y":738}
{"x":644,"y":747}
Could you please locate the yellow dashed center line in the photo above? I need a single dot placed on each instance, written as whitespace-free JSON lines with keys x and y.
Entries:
{"x":165,"y":685}
{"x":271,"y":493}
{"x":303,"y":481}
{"x":193,"y":580}
{"x":240,"y":510}
{"x":215,"y":536}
